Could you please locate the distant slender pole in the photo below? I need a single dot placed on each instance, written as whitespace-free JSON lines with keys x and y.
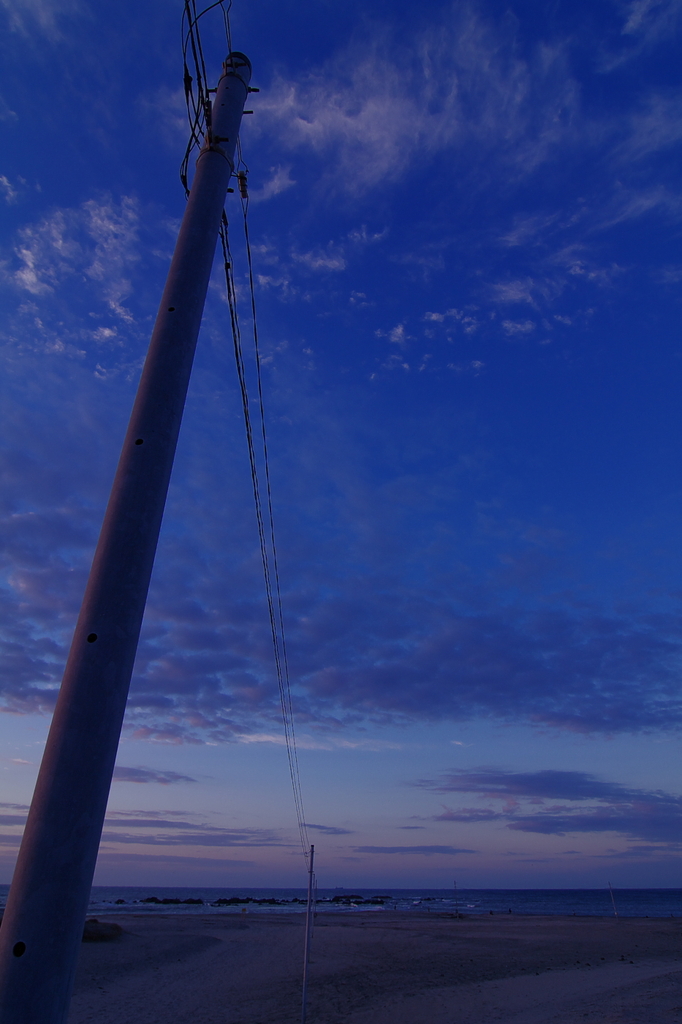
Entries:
{"x":456,"y":899}
{"x":43,"y":922}
{"x":615,"y":912}
{"x":308,"y":936}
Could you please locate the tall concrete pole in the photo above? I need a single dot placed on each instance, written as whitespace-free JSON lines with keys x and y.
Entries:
{"x":43,"y":922}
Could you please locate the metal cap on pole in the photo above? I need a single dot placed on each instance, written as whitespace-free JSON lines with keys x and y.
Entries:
{"x":43,"y":922}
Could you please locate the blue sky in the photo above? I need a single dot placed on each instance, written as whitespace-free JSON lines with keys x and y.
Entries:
{"x":466,"y":225}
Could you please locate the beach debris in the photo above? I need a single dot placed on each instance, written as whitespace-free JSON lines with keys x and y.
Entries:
{"x":101,"y":931}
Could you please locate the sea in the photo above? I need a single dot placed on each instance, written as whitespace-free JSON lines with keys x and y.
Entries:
{"x":527,"y":902}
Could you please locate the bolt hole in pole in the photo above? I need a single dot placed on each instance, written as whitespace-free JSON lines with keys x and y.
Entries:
{"x":50,"y":890}
{"x":19,"y":948}
{"x":139,"y":441}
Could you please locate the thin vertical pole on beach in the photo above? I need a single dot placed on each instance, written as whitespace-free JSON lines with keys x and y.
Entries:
{"x":456,"y":899}
{"x":308,"y":936}
{"x":615,"y":912}
{"x":43,"y":921}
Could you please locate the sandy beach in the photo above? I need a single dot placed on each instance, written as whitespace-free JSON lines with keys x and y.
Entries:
{"x":383,"y":968}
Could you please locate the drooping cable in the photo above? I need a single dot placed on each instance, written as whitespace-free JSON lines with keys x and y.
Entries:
{"x":197,"y":98}
{"x":287,"y":697}
{"x":266,"y":529}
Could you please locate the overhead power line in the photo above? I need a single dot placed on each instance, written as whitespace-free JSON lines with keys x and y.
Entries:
{"x":198,"y":112}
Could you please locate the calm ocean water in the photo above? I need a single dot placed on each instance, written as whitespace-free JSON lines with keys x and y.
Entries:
{"x":581,"y":902}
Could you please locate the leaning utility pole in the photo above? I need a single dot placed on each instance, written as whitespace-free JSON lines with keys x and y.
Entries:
{"x":43,"y":922}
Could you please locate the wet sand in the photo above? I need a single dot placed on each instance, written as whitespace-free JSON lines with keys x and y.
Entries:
{"x":383,"y":968}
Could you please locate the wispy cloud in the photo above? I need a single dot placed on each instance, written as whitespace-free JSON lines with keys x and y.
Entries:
{"x":98,"y":240}
{"x":637,"y":814}
{"x":378,"y":648}
{"x":514,"y":327}
{"x":329,"y":258}
{"x":425,"y":851}
{"x":144,"y":775}
{"x":166,"y":862}
{"x":25,"y":16}
{"x":12,"y":819}
{"x":11,"y":193}
{"x":373,"y":638}
{"x":371,"y":110}
{"x":646,"y":23}
{"x":279,"y":181}
{"x":167,"y":828}
{"x":654,"y":127}
{"x":154,"y":830}
{"x":330,"y":830}
{"x":513,"y":292}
